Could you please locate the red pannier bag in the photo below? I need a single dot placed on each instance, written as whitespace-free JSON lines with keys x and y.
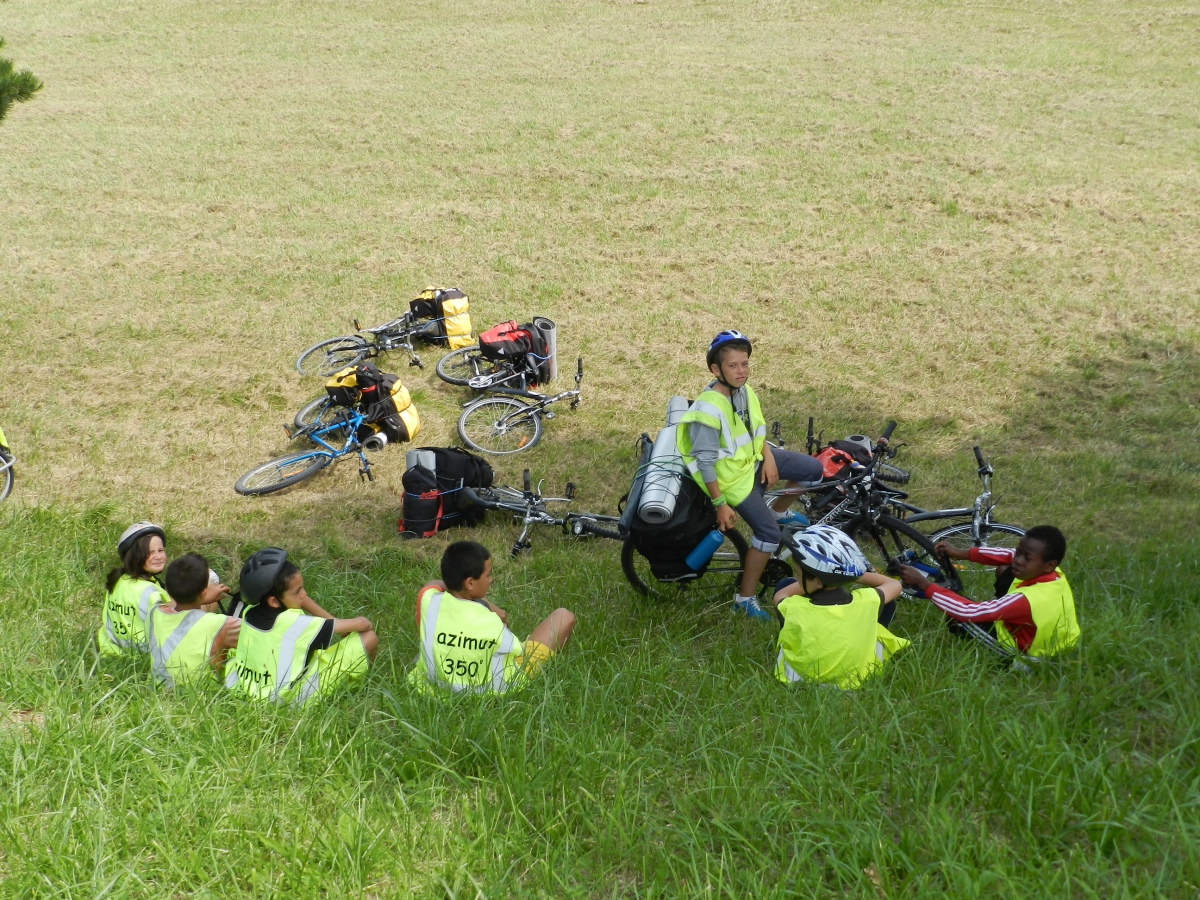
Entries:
{"x":522,"y":344}
{"x":833,"y":461}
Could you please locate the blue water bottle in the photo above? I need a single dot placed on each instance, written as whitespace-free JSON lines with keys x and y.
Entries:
{"x":699,"y":557}
{"x":910,"y":558}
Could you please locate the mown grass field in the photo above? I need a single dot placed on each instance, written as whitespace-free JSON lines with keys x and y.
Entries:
{"x":979,"y":220}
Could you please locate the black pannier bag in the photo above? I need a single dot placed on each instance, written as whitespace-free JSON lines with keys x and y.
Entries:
{"x":433,"y":498}
{"x":667,"y":545}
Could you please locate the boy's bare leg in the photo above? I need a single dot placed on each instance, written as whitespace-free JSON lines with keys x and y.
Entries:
{"x":370,"y":643}
{"x":782,"y":504}
{"x":555,"y":630}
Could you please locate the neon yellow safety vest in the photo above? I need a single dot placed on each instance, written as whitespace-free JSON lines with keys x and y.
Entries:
{"x":464,"y":647}
{"x":125,"y":611}
{"x":741,"y":447}
{"x":842,"y":645}
{"x":1053,"y":606}
{"x":269,"y":665}
{"x":180,"y":643}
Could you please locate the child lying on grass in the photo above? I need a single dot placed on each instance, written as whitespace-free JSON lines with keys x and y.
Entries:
{"x":465,"y":641}
{"x":1038,"y":618}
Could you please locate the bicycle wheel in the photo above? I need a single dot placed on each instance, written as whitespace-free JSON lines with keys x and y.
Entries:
{"x":978,"y":581}
{"x":716,"y":585}
{"x":460,"y":366}
{"x":331,"y":355}
{"x":888,"y":541}
{"x":6,"y":477}
{"x":282,"y":471}
{"x":499,"y":425}
{"x":312,"y":412}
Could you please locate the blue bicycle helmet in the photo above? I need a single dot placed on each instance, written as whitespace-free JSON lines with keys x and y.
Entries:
{"x":727,"y":339}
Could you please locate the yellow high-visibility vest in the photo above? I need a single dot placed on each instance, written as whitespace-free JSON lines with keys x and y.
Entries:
{"x":269,"y":665}
{"x":741,"y":447}
{"x":842,"y":645}
{"x":464,"y":647}
{"x":126,"y":608}
{"x":180,"y":644}
{"x":1053,"y":606}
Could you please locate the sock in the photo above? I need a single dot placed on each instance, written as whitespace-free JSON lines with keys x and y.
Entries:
{"x":738,"y":598}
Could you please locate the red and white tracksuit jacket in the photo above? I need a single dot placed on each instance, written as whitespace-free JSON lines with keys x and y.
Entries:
{"x":1012,"y":610}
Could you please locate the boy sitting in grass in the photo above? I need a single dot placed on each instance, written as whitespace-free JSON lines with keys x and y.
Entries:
{"x":1038,"y":618}
{"x":188,"y":644}
{"x":286,"y":650}
{"x":835,"y":612}
{"x":465,"y":641}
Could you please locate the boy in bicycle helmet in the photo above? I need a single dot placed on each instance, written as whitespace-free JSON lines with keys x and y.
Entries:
{"x":835,"y":612}
{"x":1037,"y":618}
{"x":723,"y":441}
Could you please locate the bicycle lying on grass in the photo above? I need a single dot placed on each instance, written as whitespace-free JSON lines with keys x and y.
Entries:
{"x":969,"y":526}
{"x":858,"y":503}
{"x":7,"y":475}
{"x":334,"y":435}
{"x":528,"y":506}
{"x":334,"y":354}
{"x":511,"y":422}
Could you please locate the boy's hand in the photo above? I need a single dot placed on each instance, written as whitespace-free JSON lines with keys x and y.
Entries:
{"x":498,"y":611}
{"x":725,"y":517}
{"x":770,"y":471}
{"x":944,"y":549}
{"x":212,"y":594}
{"x":914,"y":578}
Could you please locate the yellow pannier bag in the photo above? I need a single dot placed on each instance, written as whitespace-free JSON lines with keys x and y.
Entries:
{"x":449,"y":308}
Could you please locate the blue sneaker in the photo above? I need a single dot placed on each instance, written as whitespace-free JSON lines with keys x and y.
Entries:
{"x":748,"y":606}
{"x":793,"y":518}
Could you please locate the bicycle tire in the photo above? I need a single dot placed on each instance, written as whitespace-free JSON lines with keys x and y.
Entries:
{"x":723,"y":575}
{"x":978,"y":580}
{"x":893,"y":474}
{"x":500,"y":426}
{"x":7,"y":478}
{"x":311,"y":412}
{"x":459,"y":366}
{"x":888,"y":537}
{"x":281,"y":472}
{"x":336,"y":354}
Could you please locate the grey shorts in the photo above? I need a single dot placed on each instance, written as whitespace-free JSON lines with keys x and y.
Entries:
{"x":792,"y":466}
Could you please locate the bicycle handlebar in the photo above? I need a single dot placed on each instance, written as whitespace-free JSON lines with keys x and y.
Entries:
{"x":978,"y":455}
{"x":887,"y":432}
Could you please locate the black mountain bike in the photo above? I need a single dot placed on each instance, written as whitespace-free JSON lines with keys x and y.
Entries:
{"x":6,"y":468}
{"x":334,"y":354}
{"x":861,"y":502}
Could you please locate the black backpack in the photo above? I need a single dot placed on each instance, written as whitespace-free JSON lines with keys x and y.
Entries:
{"x":433,"y":499}
{"x":667,"y":545}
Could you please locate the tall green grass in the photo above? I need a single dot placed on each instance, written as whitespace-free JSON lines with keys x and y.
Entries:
{"x":656,"y":758}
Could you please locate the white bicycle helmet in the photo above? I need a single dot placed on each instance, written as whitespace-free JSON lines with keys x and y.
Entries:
{"x":135,"y":531}
{"x":826,"y":553}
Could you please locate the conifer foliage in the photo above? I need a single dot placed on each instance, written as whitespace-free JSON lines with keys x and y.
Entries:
{"x":15,"y":87}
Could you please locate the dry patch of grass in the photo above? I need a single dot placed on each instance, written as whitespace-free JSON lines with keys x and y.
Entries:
{"x":920,"y":214}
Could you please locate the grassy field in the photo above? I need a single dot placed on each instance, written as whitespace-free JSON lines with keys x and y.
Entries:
{"x":980,"y":220}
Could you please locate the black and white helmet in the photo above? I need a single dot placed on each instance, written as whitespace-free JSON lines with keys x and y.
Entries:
{"x":138,"y":529}
{"x":826,"y":553}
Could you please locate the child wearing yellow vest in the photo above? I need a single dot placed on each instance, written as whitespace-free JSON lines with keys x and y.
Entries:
{"x":1038,"y":617}
{"x":132,"y":590}
{"x":286,"y":651}
{"x":187,"y":644}
{"x":465,"y":642}
{"x":835,"y":612}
